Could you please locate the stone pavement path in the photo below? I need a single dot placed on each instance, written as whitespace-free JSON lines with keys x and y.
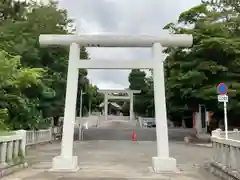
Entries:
{"x":117,"y":160}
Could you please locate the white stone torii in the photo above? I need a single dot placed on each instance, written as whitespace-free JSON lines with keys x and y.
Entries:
{"x":129,"y":92}
{"x":162,"y":162}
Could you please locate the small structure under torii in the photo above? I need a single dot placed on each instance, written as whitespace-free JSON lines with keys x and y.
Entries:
{"x":108,"y":94}
{"x":162,"y":162}
{"x":113,"y":108}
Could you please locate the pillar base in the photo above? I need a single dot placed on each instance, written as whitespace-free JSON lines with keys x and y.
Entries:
{"x":65,"y":164}
{"x":164,"y":165}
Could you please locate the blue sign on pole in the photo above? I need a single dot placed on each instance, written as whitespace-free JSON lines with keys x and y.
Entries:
{"x":223,"y":97}
{"x":222,"y":89}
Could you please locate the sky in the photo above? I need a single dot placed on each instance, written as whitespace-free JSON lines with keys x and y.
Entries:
{"x":138,"y":17}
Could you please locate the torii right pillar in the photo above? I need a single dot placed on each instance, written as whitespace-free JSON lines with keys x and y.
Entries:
{"x":162,"y":162}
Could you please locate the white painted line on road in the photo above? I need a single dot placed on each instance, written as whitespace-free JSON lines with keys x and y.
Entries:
{"x":205,"y":145}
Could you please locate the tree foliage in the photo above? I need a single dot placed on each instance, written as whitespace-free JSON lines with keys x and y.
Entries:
{"x":192,"y":74}
{"x":17,"y":110}
{"x":143,"y":102}
{"x":33,"y":77}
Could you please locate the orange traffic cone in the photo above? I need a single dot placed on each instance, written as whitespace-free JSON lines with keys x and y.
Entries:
{"x":134,"y":136}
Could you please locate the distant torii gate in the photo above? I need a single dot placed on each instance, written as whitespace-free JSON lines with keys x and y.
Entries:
{"x":162,"y":162}
{"x":107,"y":97}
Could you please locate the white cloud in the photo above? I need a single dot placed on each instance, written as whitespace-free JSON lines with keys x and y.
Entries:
{"x":110,"y":85}
{"x":125,"y":17}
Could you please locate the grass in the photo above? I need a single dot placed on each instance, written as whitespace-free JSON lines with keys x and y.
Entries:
{"x":6,"y":133}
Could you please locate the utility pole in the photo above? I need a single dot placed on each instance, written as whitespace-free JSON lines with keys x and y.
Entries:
{"x":90,"y":100}
{"x":89,"y":111}
{"x":81,"y":101}
{"x":80,"y":110}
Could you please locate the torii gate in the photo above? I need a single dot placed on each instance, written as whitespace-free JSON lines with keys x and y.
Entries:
{"x":162,"y":162}
{"x":129,"y":92}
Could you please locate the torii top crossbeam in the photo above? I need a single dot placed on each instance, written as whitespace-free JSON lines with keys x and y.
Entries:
{"x":118,"y":91}
{"x":178,"y":40}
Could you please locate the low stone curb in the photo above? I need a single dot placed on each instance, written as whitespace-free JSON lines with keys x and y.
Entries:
{"x":194,"y":139}
{"x":223,"y":172}
{"x":209,"y":145}
{"x":9,"y":170}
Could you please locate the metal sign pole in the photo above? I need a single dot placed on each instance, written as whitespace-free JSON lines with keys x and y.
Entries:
{"x":223,"y":97}
{"x":225,"y":119}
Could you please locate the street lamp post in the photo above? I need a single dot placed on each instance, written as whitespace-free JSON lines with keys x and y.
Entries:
{"x":90,"y":100}
{"x":89,"y":111}
{"x":80,"y":110}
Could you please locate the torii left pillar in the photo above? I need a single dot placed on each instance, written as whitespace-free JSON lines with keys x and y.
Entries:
{"x":66,"y":160}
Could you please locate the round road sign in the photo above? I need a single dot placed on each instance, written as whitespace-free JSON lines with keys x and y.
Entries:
{"x":222,"y":89}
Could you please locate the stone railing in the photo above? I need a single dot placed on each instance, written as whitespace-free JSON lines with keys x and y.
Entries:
{"x":96,"y":113}
{"x":13,"y":145}
{"x":142,"y":121}
{"x":89,"y":121}
{"x":114,"y":117}
{"x":12,"y":149}
{"x":226,"y":159}
{"x":40,"y":136}
{"x":235,"y":134}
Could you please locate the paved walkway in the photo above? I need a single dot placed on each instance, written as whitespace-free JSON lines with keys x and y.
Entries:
{"x":116,"y":160}
{"x":122,"y":130}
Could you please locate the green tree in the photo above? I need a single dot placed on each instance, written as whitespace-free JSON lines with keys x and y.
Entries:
{"x":21,"y":25}
{"x":16,"y":109}
{"x":93,"y":98}
{"x":143,"y":102}
{"x":193,"y":73}
{"x":11,"y":10}
{"x":20,"y":37}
